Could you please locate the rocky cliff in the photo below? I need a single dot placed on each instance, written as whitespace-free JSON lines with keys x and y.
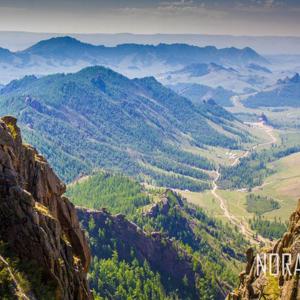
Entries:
{"x":40,"y":236}
{"x":257,"y":284}
{"x":163,"y":256}
{"x":159,"y":247}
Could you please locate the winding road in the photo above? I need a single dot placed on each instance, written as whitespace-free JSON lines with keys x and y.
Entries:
{"x":245,"y":229}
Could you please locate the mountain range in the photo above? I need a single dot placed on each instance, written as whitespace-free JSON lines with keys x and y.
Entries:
{"x":286,"y":92}
{"x":263,"y":44}
{"x":136,"y":126}
{"x":66,"y":54}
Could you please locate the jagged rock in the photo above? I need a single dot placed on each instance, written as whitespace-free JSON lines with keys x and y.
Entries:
{"x":36,"y":223}
{"x":265,"y":286}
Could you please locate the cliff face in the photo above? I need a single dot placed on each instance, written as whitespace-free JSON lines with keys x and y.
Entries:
{"x":37,"y":224}
{"x":285,"y":286}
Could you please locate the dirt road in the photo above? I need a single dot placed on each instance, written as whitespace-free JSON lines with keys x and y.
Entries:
{"x":244,"y":227}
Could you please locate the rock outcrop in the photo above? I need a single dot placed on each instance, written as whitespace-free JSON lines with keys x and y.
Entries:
{"x":258,"y":284}
{"x":163,"y":256}
{"x":37,"y":224}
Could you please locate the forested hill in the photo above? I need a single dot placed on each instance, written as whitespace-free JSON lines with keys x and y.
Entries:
{"x":169,"y":249}
{"x":97,"y":118}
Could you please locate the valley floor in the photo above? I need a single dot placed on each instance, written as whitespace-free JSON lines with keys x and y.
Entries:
{"x":282,"y":185}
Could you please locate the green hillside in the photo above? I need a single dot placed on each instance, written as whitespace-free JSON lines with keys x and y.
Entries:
{"x":117,"y":192}
{"x":97,"y":118}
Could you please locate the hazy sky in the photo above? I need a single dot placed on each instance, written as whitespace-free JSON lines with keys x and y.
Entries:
{"x":245,"y":17}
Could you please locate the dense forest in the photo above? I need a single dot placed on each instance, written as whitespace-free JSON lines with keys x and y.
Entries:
{"x":118,"y":279}
{"x":212,"y":246}
{"x":268,"y":228}
{"x":106,"y":190}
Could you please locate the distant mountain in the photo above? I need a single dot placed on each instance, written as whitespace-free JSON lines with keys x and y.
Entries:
{"x":135,"y":126}
{"x":66,"y":54}
{"x":198,"y":70}
{"x":256,"y":67}
{"x":197,"y":93}
{"x":17,"y":40}
{"x":239,"y":79}
{"x":67,"y":47}
{"x":286,"y":92}
{"x":61,"y":49}
{"x":6,"y":56}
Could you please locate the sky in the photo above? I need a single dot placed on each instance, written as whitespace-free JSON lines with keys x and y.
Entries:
{"x":245,"y":17}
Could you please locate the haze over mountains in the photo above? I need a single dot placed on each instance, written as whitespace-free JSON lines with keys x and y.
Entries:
{"x":198,"y":93}
{"x":65,"y":54}
{"x":286,"y":92}
{"x":263,"y":44}
{"x":239,"y":79}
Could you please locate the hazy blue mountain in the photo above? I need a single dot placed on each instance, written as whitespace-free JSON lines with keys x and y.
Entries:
{"x":61,"y":48}
{"x":198,"y":70}
{"x":66,"y":54}
{"x":263,"y":44}
{"x":197,"y":93}
{"x":237,"y":78}
{"x":6,"y":56}
{"x":286,"y":92}
{"x":65,"y":47}
{"x":256,"y":67}
{"x":97,"y":118}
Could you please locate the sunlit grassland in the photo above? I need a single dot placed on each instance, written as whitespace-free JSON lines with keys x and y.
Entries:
{"x":283,"y":186}
{"x":206,"y":201}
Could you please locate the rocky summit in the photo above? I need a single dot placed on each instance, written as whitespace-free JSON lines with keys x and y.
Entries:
{"x":43,"y":251}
